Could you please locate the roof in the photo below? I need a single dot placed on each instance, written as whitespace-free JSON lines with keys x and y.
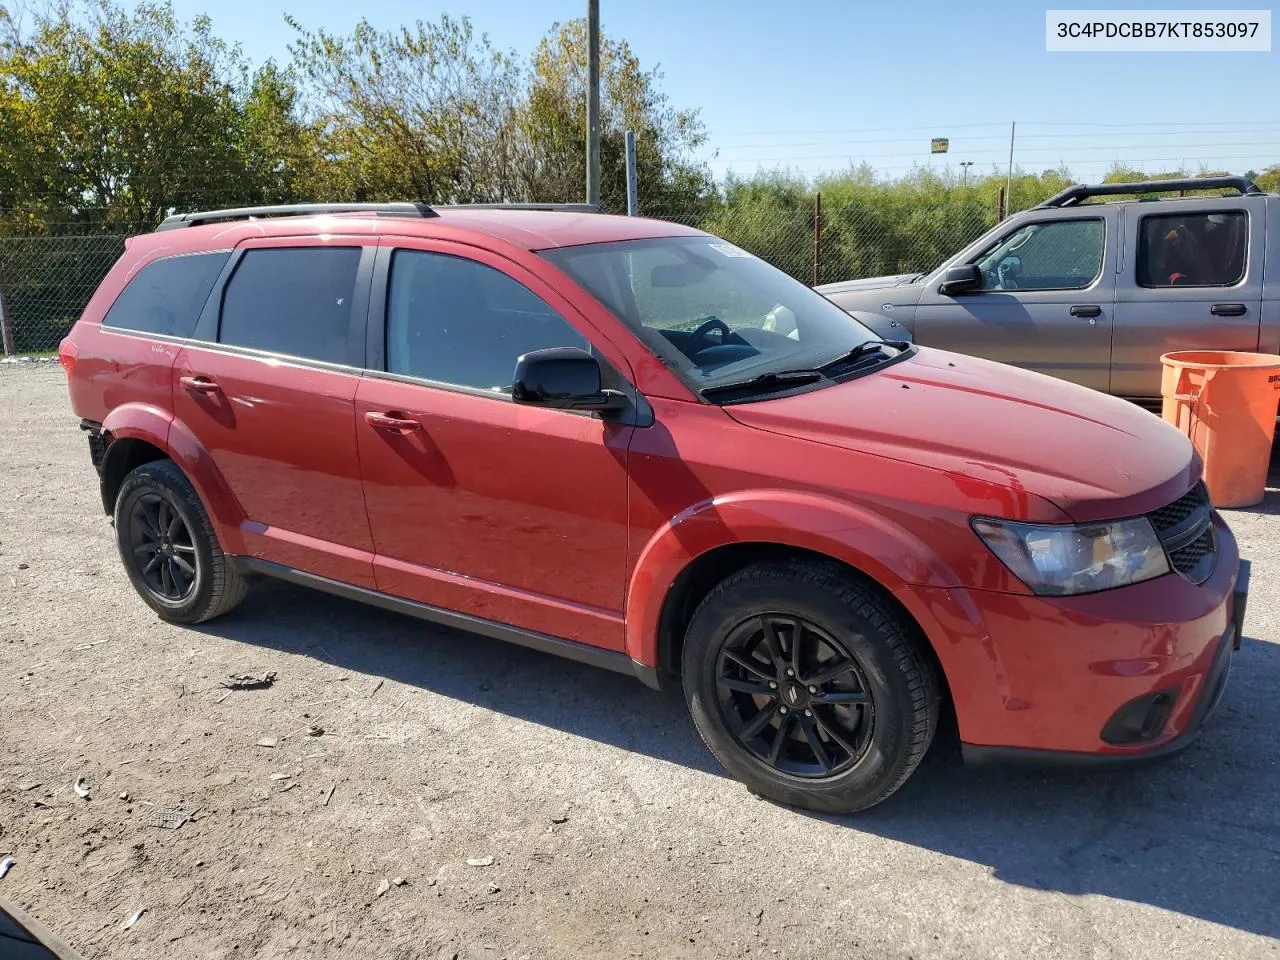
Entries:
{"x":529,"y":229}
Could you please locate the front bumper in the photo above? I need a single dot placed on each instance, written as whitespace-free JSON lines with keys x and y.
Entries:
{"x":1122,"y":676}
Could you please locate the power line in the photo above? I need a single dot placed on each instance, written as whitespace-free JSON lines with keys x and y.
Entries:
{"x":945,"y":125}
{"x":969,"y":141}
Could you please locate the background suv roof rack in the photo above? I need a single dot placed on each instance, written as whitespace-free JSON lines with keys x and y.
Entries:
{"x":1080,"y":191}
{"x":386,"y":209}
{"x":295,"y":210}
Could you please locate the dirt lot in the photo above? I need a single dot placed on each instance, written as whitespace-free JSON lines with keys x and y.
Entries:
{"x":612,"y":832}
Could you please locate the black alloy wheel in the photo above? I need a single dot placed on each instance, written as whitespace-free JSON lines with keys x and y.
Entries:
{"x":163,"y":550}
{"x":794,"y":696}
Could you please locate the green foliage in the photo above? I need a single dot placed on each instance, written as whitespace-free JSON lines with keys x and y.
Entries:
{"x":1269,"y":179}
{"x":436,"y":113}
{"x":110,"y":115}
{"x":870,"y":226}
{"x":552,"y":119}
{"x":424,"y":113}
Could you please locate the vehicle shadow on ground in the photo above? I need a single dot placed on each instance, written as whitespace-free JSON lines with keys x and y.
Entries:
{"x":1199,"y":835}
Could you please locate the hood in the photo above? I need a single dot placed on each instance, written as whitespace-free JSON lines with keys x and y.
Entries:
{"x":868,"y":283}
{"x":1095,"y":457}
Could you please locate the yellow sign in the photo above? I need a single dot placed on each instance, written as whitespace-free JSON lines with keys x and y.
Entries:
{"x":939,"y":145}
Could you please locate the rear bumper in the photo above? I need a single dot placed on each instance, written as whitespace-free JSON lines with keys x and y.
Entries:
{"x":1112,"y":678}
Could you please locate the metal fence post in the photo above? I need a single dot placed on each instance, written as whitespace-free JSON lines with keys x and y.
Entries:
{"x":6,"y":321}
{"x":633,"y":192}
{"x":817,"y":238}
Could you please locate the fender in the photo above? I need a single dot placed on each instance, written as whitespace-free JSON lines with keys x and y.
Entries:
{"x":891,"y":556}
{"x":158,"y":427}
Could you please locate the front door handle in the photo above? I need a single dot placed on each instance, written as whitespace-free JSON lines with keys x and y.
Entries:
{"x":200,"y":384}
{"x":1086,"y":310}
{"x":391,"y":422}
{"x":1228,"y":309}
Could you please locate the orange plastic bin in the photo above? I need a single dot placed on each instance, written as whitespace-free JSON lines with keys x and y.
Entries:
{"x":1225,"y":402}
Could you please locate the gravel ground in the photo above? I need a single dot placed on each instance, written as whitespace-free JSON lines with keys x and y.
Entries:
{"x":598,"y":823}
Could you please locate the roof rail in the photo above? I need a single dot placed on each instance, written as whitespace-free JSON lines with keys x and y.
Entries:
{"x":557,"y":207}
{"x":295,"y":210}
{"x":1078,"y":192}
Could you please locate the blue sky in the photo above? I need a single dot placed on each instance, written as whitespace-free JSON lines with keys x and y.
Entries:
{"x":815,"y":85}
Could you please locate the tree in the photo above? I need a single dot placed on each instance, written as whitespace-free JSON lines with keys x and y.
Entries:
{"x":423,"y":112}
{"x":109,"y":115}
{"x":553,"y":119}
{"x":1269,"y":179}
{"x":434,"y":112}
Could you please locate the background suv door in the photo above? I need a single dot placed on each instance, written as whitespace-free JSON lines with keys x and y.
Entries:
{"x":1191,"y":280}
{"x":506,"y":512}
{"x":270,"y":398}
{"x":1046,"y":303}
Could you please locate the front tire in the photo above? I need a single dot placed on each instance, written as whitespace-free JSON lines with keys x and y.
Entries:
{"x":809,"y":686}
{"x":169,"y":548}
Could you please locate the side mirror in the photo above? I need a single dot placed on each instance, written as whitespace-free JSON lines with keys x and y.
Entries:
{"x":563,"y":378}
{"x":962,"y":279}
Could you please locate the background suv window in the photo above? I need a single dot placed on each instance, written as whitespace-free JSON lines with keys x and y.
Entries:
{"x":294,"y":300}
{"x":460,"y":322}
{"x":1050,"y":255}
{"x":1192,"y":249}
{"x":166,"y":296}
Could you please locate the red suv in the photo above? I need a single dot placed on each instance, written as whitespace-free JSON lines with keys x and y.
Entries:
{"x":634,"y":444}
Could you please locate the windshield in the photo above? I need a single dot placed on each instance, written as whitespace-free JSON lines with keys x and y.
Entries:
{"x":714,"y":312}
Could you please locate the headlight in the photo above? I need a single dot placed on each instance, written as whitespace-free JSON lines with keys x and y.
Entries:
{"x":1056,"y":560}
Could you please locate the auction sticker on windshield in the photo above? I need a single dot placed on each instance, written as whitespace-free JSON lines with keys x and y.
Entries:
{"x":729,"y":250}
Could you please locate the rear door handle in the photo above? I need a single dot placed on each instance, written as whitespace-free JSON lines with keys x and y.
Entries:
{"x":391,"y":422}
{"x":1228,"y":309}
{"x":200,"y":384}
{"x":1086,"y":310}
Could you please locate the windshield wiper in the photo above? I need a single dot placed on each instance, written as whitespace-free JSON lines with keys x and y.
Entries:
{"x":857,"y":353}
{"x":780,"y":380}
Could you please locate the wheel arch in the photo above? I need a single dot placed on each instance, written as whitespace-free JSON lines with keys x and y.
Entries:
{"x":702,"y":574}
{"x":138,"y":434}
{"x":704,"y":545}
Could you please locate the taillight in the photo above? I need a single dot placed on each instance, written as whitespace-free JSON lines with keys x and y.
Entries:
{"x":67,"y":355}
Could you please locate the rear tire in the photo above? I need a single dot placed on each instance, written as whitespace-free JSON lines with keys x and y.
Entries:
{"x":169,"y":549}
{"x":809,"y":686}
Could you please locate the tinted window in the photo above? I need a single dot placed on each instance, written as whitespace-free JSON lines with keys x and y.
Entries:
{"x":166,"y":296}
{"x":1192,"y":249}
{"x":292,"y":300}
{"x":460,"y":322}
{"x":1051,"y":255}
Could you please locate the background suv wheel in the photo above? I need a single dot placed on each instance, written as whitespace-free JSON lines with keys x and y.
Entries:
{"x":809,"y":687}
{"x":169,"y":549}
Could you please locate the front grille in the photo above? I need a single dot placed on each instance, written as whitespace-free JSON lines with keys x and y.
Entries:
{"x":1185,"y":528}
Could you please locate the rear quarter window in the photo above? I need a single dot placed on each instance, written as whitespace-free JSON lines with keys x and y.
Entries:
{"x":167,"y":295}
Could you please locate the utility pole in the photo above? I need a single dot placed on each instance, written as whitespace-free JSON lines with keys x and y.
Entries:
{"x":965,"y":165}
{"x":1008,"y":180}
{"x":593,"y":101}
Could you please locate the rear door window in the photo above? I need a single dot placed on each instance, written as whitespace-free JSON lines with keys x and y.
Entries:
{"x":1192,"y":249}
{"x":292,"y":300}
{"x":166,"y":296}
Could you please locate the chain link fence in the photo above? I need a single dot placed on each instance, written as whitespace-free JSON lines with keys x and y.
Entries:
{"x":47,"y":277}
{"x":820,"y":242}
